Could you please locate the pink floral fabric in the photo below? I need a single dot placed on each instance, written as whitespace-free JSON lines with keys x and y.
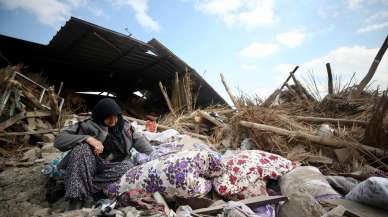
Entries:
{"x":247,"y":172}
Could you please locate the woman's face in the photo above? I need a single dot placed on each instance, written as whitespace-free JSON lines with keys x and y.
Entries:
{"x":111,"y":121}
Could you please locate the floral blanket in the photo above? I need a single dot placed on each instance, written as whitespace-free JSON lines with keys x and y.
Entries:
{"x":247,"y":172}
{"x":184,"y":174}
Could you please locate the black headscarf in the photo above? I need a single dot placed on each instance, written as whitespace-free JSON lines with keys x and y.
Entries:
{"x":103,"y":109}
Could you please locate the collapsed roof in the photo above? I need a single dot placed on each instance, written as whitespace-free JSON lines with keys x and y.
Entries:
{"x":87,"y":57}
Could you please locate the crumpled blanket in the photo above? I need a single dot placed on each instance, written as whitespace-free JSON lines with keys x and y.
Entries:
{"x":373,"y":191}
{"x":185,"y":174}
{"x":161,"y":137}
{"x":310,"y":180}
{"x":247,"y":172}
{"x":159,"y":151}
{"x":342,"y":184}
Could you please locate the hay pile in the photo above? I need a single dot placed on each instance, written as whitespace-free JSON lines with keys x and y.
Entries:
{"x":346,"y":131}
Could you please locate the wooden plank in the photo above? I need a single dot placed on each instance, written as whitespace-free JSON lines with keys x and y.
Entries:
{"x":357,"y":209}
{"x":250,"y":202}
{"x":12,"y":120}
{"x":331,"y":120}
{"x":28,"y":133}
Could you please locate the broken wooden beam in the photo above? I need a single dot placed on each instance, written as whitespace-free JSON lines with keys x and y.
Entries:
{"x":28,"y":132}
{"x":364,"y":82}
{"x":232,"y":97}
{"x":14,"y":119}
{"x":289,"y":77}
{"x":331,"y":120}
{"x":211,"y":119}
{"x":7,"y":93}
{"x":322,"y":140}
{"x":329,"y":80}
{"x":53,"y":104}
{"x":168,"y":101}
{"x":252,"y":203}
{"x":28,"y":95}
{"x":298,"y":86}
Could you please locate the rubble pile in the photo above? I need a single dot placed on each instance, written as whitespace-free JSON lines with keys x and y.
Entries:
{"x":29,"y":111}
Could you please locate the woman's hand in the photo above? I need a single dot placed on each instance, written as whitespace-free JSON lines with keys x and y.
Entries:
{"x":96,"y":144}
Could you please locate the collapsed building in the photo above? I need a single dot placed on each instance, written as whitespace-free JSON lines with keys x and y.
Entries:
{"x":288,"y":155}
{"x":90,"y":58}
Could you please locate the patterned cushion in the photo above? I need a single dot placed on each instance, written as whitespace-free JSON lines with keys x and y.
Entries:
{"x":182,"y":174}
{"x":247,"y":172}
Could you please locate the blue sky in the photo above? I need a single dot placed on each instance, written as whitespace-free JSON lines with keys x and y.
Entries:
{"x":255,"y":43}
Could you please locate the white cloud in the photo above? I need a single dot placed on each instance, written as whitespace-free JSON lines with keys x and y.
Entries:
{"x":140,"y":7}
{"x":373,"y":27}
{"x":344,"y":62}
{"x":291,"y":39}
{"x":50,"y":12}
{"x":98,"y":12}
{"x":377,"y":16}
{"x":77,"y":3}
{"x":247,"y":13}
{"x":354,"y":4}
{"x":248,"y":67}
{"x":282,"y":70}
{"x":258,"y":50}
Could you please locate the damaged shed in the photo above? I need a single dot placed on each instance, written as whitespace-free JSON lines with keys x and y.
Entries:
{"x":90,"y":58}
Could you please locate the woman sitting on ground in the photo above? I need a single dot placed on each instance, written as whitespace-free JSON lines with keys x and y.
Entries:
{"x":100,"y":152}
